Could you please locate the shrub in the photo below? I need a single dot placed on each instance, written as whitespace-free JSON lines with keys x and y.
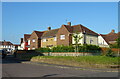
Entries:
{"x":63,"y":48}
{"x":109,"y":53}
{"x":89,"y":48}
{"x":43,"y":50}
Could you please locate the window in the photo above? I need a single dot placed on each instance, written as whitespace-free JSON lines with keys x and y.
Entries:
{"x":103,"y":42}
{"x":91,"y":41}
{"x":62,"y":36}
{"x":44,"y":40}
{"x":33,"y":48}
{"x":28,"y":42}
{"x":33,"y":40}
{"x":55,"y":38}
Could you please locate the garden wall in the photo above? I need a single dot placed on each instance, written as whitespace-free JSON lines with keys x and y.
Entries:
{"x":70,"y":54}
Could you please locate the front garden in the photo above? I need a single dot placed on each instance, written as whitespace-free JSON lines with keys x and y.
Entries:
{"x":79,"y":61}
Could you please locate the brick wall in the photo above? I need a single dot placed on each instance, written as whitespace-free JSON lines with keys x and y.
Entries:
{"x":67,"y":40}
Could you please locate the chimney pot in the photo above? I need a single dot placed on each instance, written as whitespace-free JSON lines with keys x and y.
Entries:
{"x":21,"y":41}
{"x":69,"y":23}
{"x":49,"y":28}
{"x":113,"y":31}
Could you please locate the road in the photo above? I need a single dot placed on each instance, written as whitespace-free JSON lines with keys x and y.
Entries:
{"x":11,"y":67}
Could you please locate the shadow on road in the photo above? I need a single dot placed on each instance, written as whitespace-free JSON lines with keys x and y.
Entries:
{"x":49,"y":75}
{"x":10,"y":60}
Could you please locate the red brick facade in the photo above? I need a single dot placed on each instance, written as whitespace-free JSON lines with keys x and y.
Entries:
{"x":63,"y":31}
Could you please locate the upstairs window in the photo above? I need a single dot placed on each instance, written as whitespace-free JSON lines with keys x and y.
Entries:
{"x":55,"y":38}
{"x":62,"y":37}
{"x":91,"y":41}
{"x":44,"y":40}
{"x":33,"y":40}
{"x":33,"y":48}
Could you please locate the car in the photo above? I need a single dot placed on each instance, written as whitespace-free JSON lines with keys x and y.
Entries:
{"x":3,"y":53}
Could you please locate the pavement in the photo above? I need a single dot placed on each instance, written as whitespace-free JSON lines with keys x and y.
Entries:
{"x":73,"y":67}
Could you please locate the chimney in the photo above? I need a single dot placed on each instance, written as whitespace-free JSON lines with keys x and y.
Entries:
{"x":113,"y":31}
{"x":69,"y":23}
{"x":49,"y":28}
{"x":21,"y":41}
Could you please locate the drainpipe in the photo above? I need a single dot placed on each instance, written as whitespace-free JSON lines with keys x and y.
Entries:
{"x":84,"y":32}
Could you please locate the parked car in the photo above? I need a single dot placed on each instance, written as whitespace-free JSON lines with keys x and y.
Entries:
{"x":3,"y":53}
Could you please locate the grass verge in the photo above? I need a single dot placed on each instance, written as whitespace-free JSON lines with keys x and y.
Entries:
{"x":80,"y":61}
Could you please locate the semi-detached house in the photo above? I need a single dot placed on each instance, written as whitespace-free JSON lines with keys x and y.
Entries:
{"x":104,"y":40}
{"x":49,"y":39}
{"x":64,"y":35}
{"x":34,"y":41}
{"x":24,"y":42}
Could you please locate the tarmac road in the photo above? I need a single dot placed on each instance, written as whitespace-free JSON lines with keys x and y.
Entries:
{"x":11,"y":67}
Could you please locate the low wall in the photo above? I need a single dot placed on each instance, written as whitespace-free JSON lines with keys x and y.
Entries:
{"x":115,"y":50}
{"x":70,"y":54}
{"x":26,"y":54}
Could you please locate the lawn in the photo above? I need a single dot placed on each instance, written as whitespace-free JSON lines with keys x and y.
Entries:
{"x":80,"y":61}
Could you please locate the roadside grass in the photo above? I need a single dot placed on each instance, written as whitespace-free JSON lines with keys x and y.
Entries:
{"x":80,"y":61}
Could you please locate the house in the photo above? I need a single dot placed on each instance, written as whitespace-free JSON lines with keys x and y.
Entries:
{"x":64,"y":35}
{"x":49,"y":39}
{"x":34,"y":41}
{"x":7,"y":45}
{"x":24,"y":42}
{"x":104,"y":40}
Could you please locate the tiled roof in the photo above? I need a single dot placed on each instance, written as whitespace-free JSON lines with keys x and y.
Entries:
{"x":79,"y":28}
{"x":50,"y":33}
{"x":5,"y":43}
{"x":69,"y":28}
{"x":110,"y":37}
{"x":26,"y":36}
{"x":39,"y":33}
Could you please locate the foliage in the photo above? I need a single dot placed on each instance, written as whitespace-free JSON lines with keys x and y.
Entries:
{"x":117,"y":44}
{"x":43,"y":50}
{"x":63,"y":48}
{"x":89,"y":48}
{"x":109,"y":53}
{"x":77,"y":38}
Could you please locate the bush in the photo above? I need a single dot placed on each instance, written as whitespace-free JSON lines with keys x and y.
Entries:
{"x":89,"y":48}
{"x":63,"y":48}
{"x":43,"y":50}
{"x":109,"y":53}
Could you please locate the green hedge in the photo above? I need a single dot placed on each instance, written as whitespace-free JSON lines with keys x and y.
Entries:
{"x":62,"y":48}
{"x":43,"y":50}
{"x":89,"y":48}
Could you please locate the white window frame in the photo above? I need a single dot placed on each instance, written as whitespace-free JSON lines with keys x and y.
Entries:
{"x":33,"y":40}
{"x":33,"y":48}
{"x":28,"y":42}
{"x":91,"y":41}
{"x":44,"y":40}
{"x":55,"y":38}
{"x":62,"y":37}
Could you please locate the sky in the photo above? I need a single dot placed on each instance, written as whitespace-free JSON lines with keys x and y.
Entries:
{"x":19,"y":18}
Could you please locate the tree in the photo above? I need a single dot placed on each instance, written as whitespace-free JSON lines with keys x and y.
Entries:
{"x":77,"y":38}
{"x":118,"y":42}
